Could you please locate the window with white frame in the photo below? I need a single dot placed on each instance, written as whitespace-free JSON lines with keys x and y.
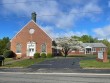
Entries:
{"x":43,"y":47}
{"x":102,"y":49}
{"x":94,"y":49}
{"x":18,"y":48}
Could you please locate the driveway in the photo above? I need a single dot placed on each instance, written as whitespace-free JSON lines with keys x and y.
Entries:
{"x":59,"y":63}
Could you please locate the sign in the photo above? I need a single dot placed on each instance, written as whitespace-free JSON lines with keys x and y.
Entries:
{"x":100,"y":55}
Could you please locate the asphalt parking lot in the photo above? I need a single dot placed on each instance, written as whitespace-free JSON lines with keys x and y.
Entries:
{"x":61,"y":63}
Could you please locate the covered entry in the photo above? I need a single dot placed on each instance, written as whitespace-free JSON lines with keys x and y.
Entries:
{"x":31,"y":48}
{"x":88,"y":50}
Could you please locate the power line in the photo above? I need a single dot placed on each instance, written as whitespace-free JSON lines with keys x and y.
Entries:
{"x":69,"y":13}
{"x":48,"y":15}
{"x":27,"y":2}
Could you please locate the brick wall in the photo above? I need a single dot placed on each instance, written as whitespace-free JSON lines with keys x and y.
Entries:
{"x":83,"y":52}
{"x":39,"y":36}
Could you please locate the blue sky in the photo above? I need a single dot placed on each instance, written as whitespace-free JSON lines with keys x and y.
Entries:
{"x":57,"y":17}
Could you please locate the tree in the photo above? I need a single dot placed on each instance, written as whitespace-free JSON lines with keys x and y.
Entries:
{"x":86,"y":39}
{"x":107,"y":43}
{"x":4,"y":44}
{"x":76,"y":37}
{"x":67,"y":44}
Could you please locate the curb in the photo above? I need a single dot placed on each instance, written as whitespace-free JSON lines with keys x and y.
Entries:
{"x":81,"y":74}
{"x":97,"y":68}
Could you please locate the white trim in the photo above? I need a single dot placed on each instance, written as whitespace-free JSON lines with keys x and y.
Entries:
{"x":20,"y":30}
{"x":36,"y":25}
{"x":88,"y":47}
{"x":88,"y":51}
{"x":17,"y":48}
{"x":18,"y":53}
{"x":42,"y":30}
{"x":93,"y":50}
{"x":102,"y":49}
{"x":29,"y":44}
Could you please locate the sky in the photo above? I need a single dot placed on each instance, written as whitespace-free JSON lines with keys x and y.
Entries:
{"x":58,"y":18}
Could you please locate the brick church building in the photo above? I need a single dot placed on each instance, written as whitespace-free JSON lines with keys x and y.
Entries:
{"x":31,"y":39}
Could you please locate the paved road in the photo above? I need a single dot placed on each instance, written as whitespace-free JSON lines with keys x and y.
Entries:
{"x":53,"y":78}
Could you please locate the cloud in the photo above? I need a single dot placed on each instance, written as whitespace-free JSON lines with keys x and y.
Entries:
{"x":66,"y":20}
{"x":61,"y":14}
{"x":50,"y":30}
{"x":108,"y":3}
{"x":89,"y":10}
{"x":103,"y":32}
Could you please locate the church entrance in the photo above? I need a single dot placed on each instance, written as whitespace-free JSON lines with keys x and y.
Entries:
{"x":31,"y":48}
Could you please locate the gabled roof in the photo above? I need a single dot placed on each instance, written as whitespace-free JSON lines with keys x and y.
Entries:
{"x":36,"y":25}
{"x":93,"y":45}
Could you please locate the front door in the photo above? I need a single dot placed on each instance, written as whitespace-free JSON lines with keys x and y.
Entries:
{"x":31,"y":48}
{"x":88,"y":50}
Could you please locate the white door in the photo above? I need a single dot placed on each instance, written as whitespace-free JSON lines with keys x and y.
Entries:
{"x":31,"y":51}
{"x":31,"y":48}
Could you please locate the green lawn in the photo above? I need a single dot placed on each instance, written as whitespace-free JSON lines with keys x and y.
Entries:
{"x":94,"y":64}
{"x":83,"y":56}
{"x":25,"y":62}
{"x":8,"y":59}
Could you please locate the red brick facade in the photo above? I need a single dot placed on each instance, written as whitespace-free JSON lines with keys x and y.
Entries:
{"x":23,"y":37}
{"x":78,"y":52}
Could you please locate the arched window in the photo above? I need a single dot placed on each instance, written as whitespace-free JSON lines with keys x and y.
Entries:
{"x":18,"y":48}
{"x":43,"y":47}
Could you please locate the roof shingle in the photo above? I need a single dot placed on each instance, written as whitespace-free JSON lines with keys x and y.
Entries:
{"x":93,"y":45}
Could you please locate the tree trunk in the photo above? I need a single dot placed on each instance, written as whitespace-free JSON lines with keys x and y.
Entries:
{"x":66,"y":53}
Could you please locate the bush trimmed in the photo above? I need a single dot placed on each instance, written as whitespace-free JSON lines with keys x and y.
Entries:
{"x":9,"y":54}
{"x":43,"y":55}
{"x":49,"y":55}
{"x":37,"y":55}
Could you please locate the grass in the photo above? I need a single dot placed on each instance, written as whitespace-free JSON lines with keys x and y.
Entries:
{"x":85,"y":56}
{"x":8,"y":59}
{"x":94,"y":64}
{"x":25,"y":62}
{"x":76,"y":56}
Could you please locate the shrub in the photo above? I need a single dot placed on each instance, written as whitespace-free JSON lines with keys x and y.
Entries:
{"x":9,"y":54}
{"x":43,"y":55}
{"x":108,"y":52}
{"x":37,"y":55}
{"x":49,"y":55}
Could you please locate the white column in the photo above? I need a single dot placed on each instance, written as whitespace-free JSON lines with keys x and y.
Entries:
{"x":85,"y":50}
